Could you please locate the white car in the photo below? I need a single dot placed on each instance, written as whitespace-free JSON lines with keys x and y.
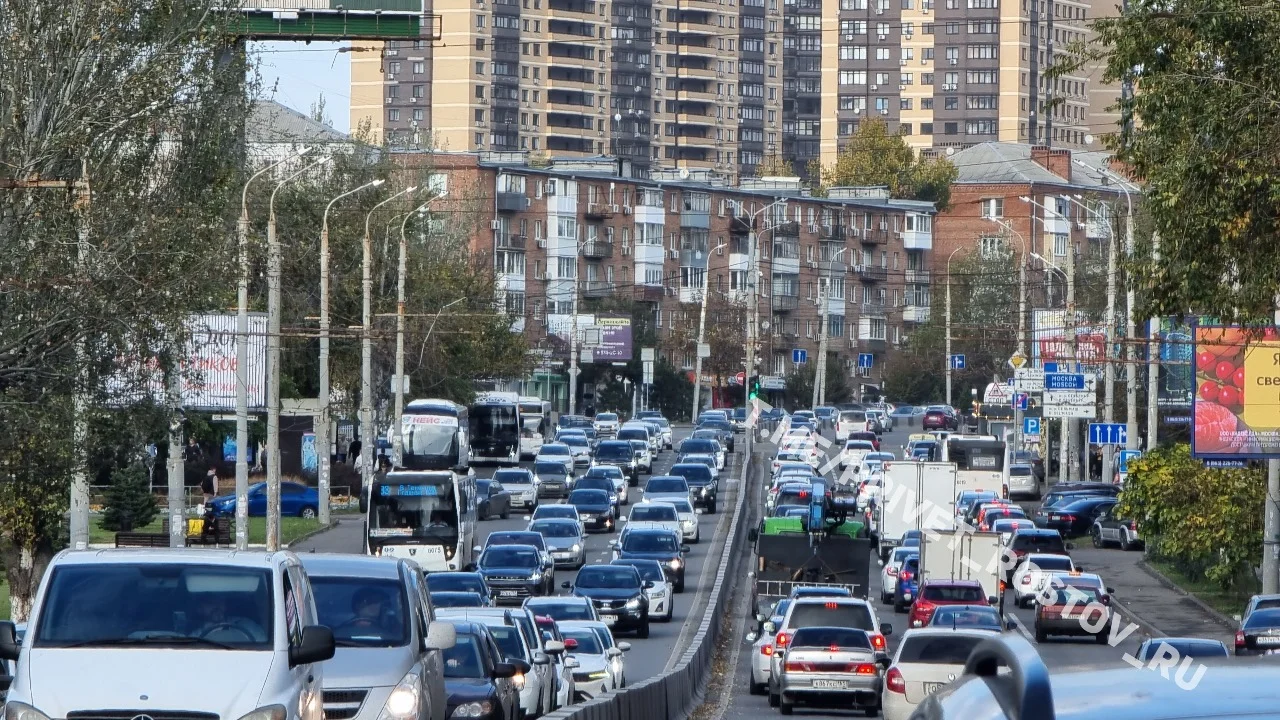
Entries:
{"x":689,"y":530}
{"x":644,"y":457}
{"x":522,"y":484}
{"x":559,"y":452}
{"x":660,"y":593}
{"x":762,"y":649}
{"x":601,"y":668}
{"x":661,"y":487}
{"x":654,"y":514}
{"x":580,"y":447}
{"x":889,"y":573}
{"x":854,"y":452}
{"x":926,"y":661}
{"x":606,"y":424}
{"x":614,"y":473}
{"x":1034,"y":569}
{"x":789,"y":461}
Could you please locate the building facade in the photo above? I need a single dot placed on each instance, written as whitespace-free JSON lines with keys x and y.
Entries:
{"x":585,"y":229}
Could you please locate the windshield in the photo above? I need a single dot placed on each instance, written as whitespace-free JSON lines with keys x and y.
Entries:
{"x":413,"y":509}
{"x":588,"y":642}
{"x":361,"y":611}
{"x":852,"y":417}
{"x":615,"y":578}
{"x":494,"y":422}
{"x":1019,"y":470}
{"x":650,"y":543}
{"x":595,"y":483}
{"x":1052,"y":562}
{"x":561,"y":611}
{"x":452,"y":582}
{"x":938,"y":649}
{"x":588,"y":497}
{"x":549,"y":469}
{"x":457,"y":600}
{"x":556,"y":511}
{"x":555,"y":529}
{"x":605,"y":471}
{"x":510,"y":556}
{"x":666,"y":485}
{"x":527,"y":537}
{"x":508,"y":639}
{"x":1263,"y":618}
{"x":633,"y":434}
{"x":615,"y":451}
{"x":513,"y":477}
{"x":430,"y":441}
{"x":831,"y":614}
{"x":966,"y":617}
{"x":556,"y":450}
{"x":693,"y":473}
{"x":607,"y":417}
{"x":681,"y":506}
{"x":210,"y":606}
{"x":656,"y":513}
{"x":649,"y":570}
{"x":831,"y":637}
{"x":1038,"y":543}
{"x":463,"y":659}
{"x":579,"y":441}
{"x":953,"y":593}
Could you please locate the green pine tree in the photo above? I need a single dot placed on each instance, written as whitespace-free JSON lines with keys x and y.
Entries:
{"x":129,"y":502}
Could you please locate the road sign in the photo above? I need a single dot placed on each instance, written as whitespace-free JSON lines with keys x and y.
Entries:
{"x":1108,"y":434}
{"x":1017,"y":360}
{"x":1069,"y":411}
{"x":957,"y":362}
{"x":1126,"y":457}
{"x":799,"y":356}
{"x":1063,"y":381}
{"x":704,"y":350}
{"x":647,"y":371}
{"x":1029,"y":380}
{"x":865,"y":361}
{"x":1020,"y":401}
{"x":1051,"y":367}
{"x":405,"y":381}
{"x":1031,"y":426}
{"x":646,"y":355}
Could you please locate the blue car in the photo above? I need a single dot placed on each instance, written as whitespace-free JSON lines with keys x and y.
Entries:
{"x":904,"y":593}
{"x":296,"y":500}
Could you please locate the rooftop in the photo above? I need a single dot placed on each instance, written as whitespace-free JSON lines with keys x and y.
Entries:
{"x":271,"y":123}
{"x":997,"y":163}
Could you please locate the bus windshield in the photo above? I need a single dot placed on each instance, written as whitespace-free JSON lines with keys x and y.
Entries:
{"x":413,"y":508}
{"x":976,"y":455}
{"x":430,"y":441}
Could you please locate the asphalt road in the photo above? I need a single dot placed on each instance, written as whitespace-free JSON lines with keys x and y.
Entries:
{"x":666,"y":641}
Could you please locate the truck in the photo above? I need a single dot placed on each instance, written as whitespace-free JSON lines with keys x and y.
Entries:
{"x":916,"y":496}
{"x":960,"y":555}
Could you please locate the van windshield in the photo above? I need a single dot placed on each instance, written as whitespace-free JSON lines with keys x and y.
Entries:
{"x":165,"y":605}
{"x":362,"y":612}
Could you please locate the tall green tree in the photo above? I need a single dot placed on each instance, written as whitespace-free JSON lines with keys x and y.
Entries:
{"x":874,"y":156}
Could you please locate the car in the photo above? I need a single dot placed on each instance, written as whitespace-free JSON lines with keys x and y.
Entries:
{"x":521,"y":484}
{"x":1023,"y":481}
{"x":1068,"y":610}
{"x":561,"y":608}
{"x":968,"y":498}
{"x":970,"y":617}
{"x":1259,"y":632}
{"x":703,"y":489}
{"x":654,"y":544}
{"x":1031,"y":571}
{"x":933,"y":594}
{"x":1180,"y":647}
{"x":655,"y":514}
{"x":660,"y":487}
{"x":850,"y":613}
{"x":547,"y":512}
{"x":606,"y":424}
{"x":996,"y":514}
{"x":566,"y":540}
{"x":979,"y":511}
{"x":459,"y":582}
{"x":1076,"y":578}
{"x":940,"y":417}
{"x":908,"y":584}
{"x":762,"y":647}
{"x":296,"y":500}
{"x":1076,"y":518}
{"x":1006,"y":527}
{"x":601,"y":667}
{"x":794,"y":461}
{"x":1024,"y":542}
{"x":554,"y":478}
{"x":452,"y":599}
{"x":603,"y":484}
{"x":656,"y":587}
{"x":595,"y":509}
{"x":868,"y":436}
{"x":851,"y":421}
{"x":580,"y":446}
{"x":702,"y":446}
{"x":725,"y":430}
{"x":812,"y":591}
{"x":1110,"y":528}
{"x":555,"y":451}
{"x":927,"y":659}
{"x":1063,"y":494}
{"x":1032,"y":458}
{"x":558,"y":673}
{"x":618,"y":593}
{"x":477,"y":678}
{"x":739,"y":419}
{"x":641,"y":454}
{"x":492,"y":500}
{"x":829,"y":667}
{"x":514,"y":633}
{"x":614,"y":474}
{"x":889,"y":571}
{"x":644,"y":432}
{"x":664,"y":426}
{"x":519,"y":537}
{"x":708,"y":460}
{"x":368,"y":602}
{"x":513,"y":573}
{"x":854,"y":451}
{"x":619,"y":453}
{"x":690,"y":530}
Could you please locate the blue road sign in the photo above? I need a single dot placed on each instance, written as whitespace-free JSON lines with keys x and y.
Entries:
{"x":1020,"y":401}
{"x":799,"y":356}
{"x":1031,"y":426}
{"x":1127,"y":456}
{"x":957,"y":362}
{"x":1063,"y":381}
{"x":1108,"y":434}
{"x":865,"y":360}
{"x":1051,"y":367}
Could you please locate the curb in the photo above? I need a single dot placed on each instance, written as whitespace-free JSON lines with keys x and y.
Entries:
{"x":311,"y":533}
{"x":1226,"y":622}
{"x":1145,"y":626}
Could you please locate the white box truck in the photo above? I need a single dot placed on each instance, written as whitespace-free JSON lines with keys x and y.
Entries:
{"x":915,"y":496}
{"x":959,"y":555}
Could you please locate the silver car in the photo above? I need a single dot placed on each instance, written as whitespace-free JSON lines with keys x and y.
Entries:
{"x":665,"y":486}
{"x":829,"y":667}
{"x":762,"y":648}
{"x":566,"y":541}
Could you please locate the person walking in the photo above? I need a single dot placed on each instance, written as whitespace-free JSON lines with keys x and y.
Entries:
{"x":209,"y":485}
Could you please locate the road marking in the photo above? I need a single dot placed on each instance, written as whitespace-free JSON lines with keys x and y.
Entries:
{"x":1011,"y":617}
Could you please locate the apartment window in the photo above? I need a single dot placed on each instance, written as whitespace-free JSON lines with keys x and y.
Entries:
{"x":853,"y":77}
{"x":926,"y":128}
{"x":983,"y":52}
{"x":904,"y":104}
{"x":419,"y":91}
{"x":393,"y":68}
{"x":479,"y":67}
{"x":953,"y":28}
{"x":982,"y":102}
{"x":991,"y":207}
{"x":393,"y":115}
{"x":882,"y":53}
{"x":1060,"y":244}
{"x":991,"y":246}
{"x":951,"y":103}
{"x":480,"y":21}
{"x":418,"y":114}
{"x":980,"y":127}
{"x":904,"y":129}
{"x":566,"y":267}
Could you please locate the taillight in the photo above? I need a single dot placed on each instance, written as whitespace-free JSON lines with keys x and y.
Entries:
{"x":1068,"y":518}
{"x":861,"y":668}
{"x":766,"y":650}
{"x":1133,"y":525}
{"x":877,"y":641}
{"x":796,"y":666}
{"x":924,"y":609}
{"x":895,"y":683}
{"x":907,"y":574}
{"x":781,"y":640}
{"x":1026,"y":579}
{"x":893,"y":571}
{"x":1239,"y":638}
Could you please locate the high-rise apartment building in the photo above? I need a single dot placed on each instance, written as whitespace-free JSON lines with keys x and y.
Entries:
{"x":722,"y":84}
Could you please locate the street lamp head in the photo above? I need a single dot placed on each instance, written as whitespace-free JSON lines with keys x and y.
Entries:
{"x":1024,"y":198}
{"x":377,"y":183}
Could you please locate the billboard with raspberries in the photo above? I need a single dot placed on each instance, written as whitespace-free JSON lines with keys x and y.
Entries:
{"x":1236,"y":413}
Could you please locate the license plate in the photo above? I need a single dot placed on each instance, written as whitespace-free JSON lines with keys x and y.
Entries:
{"x":608,"y":619}
{"x":1268,"y":641}
{"x":906,"y":596}
{"x":508,"y":593}
{"x":932,"y":687}
{"x":834,"y":684}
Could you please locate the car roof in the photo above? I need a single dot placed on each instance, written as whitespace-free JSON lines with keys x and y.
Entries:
{"x":349,"y":565}
{"x":1036,"y":531}
{"x":183,"y":556}
{"x":649,"y":530}
{"x":953,"y":583}
{"x":556,"y":600}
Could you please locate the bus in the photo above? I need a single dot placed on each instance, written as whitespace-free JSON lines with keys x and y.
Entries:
{"x":980,"y":462}
{"x":435,"y":436}
{"x":425,"y":516}
{"x":495,"y":428}
{"x":535,"y":422}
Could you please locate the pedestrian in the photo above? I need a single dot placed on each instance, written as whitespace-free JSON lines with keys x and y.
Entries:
{"x":209,"y":485}
{"x":353,"y":452}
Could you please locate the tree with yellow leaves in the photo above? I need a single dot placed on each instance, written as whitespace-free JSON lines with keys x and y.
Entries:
{"x":873,"y":156}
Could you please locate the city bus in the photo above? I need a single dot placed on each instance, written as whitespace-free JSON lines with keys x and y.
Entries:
{"x":494,"y":421}
{"x":535,"y":422}
{"x":980,"y":462}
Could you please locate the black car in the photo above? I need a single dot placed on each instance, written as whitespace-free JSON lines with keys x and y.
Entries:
{"x":459,"y":582}
{"x":1185,"y":647}
{"x":1259,"y":632}
{"x":654,"y":544}
{"x":595,"y":509}
{"x":454,"y":599}
{"x":702,"y":484}
{"x":513,"y":573}
{"x":479,"y":684}
{"x":522,"y":537}
{"x":724,"y":427}
{"x":599,"y":482}
{"x":492,"y":500}
{"x":698,"y":446}
{"x":1063,"y":494}
{"x":1076,"y":518}
{"x":617,"y":591}
{"x":1030,"y":540}
{"x":620,"y":454}
{"x":555,"y":478}
{"x":739,"y":419}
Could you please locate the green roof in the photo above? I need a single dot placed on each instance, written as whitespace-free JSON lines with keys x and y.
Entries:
{"x":795,"y":526}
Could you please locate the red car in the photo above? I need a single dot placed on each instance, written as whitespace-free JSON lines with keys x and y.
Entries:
{"x":934,"y":593}
{"x":940,"y":418}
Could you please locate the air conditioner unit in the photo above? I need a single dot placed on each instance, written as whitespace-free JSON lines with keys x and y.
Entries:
{"x":875,"y":87}
{"x":857,"y":111}
{"x":902,"y":87}
{"x":953,"y":61}
{"x":413,"y":99}
{"x":924,"y":61}
{"x":542,"y":242}
{"x":495,"y":225}
{"x":850,"y":37}
{"x":720,"y":251}
{"x":883,"y":37}
{"x":615,"y":209}
{"x":879,"y":11}
{"x":884,"y":111}
{"x":390,"y":76}
{"x":626,"y":250}
{"x":903,"y":63}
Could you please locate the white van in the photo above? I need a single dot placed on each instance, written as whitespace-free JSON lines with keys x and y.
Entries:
{"x":851,"y":421}
{"x":170,"y":634}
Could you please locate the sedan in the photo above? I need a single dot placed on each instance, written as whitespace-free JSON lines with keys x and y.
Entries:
{"x":492,"y":500}
{"x":566,"y":540}
{"x":970,"y":617}
{"x":451,"y":599}
{"x":656,"y":588}
{"x":477,"y":680}
{"x":580,"y":446}
{"x":595,"y":508}
{"x":927,"y":660}
{"x":1076,"y":518}
{"x":296,"y":500}
{"x":459,"y":582}
{"x":601,"y":669}
{"x":1180,"y":647}
{"x":829,"y":667}
{"x":1259,"y":634}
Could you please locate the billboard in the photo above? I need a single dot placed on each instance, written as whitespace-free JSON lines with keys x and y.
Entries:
{"x":1049,"y":339}
{"x":613,"y":331}
{"x":208,"y":368}
{"x":1236,"y":411}
{"x":1177,"y":384}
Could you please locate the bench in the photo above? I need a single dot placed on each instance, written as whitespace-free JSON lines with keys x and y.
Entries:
{"x":213,"y":532}
{"x":142,"y":540}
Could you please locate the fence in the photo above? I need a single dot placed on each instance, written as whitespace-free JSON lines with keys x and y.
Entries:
{"x":675,"y":694}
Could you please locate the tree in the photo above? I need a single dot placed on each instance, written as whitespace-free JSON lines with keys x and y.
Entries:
{"x":874,"y":157}
{"x":1200,"y":132}
{"x":318,"y":112}
{"x":800,"y":384}
{"x":130,"y":503}
{"x":774,"y":165}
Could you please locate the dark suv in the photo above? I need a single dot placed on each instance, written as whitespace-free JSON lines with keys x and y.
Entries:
{"x":937,"y":417}
{"x":620,"y":454}
{"x":514,"y":572}
{"x":617,"y":591}
{"x":1028,"y":541}
{"x":724,"y":427}
{"x":654,"y":544}
{"x":702,"y":484}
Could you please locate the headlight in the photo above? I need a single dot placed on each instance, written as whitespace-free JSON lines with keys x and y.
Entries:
{"x":268,"y":712}
{"x":599,"y":675}
{"x":675,"y":564}
{"x":576,"y":548}
{"x":404,"y":701}
{"x":473,"y":710}
{"x":633,"y":604}
{"x":22,"y":711}
{"x":659,"y":594}
{"x":535,"y":576}
{"x":518,"y":680}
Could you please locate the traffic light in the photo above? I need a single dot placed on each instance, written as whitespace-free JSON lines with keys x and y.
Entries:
{"x":754,"y":388}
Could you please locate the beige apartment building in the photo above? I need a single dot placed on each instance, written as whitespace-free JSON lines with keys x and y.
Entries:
{"x":719,"y":85}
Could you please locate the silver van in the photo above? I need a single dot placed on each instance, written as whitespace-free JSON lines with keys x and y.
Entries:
{"x":388,"y":662}
{"x":170,"y":634}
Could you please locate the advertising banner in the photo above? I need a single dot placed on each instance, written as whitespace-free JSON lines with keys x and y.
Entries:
{"x":1177,"y":375}
{"x":1050,"y":342}
{"x":614,"y":332}
{"x":1236,"y":412}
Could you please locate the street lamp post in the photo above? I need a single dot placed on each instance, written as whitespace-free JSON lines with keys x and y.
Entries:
{"x":397,"y":432}
{"x":753,"y":318}
{"x":1022,"y":315}
{"x":949,"y":368}
{"x":820,"y":368}
{"x":702,"y":331}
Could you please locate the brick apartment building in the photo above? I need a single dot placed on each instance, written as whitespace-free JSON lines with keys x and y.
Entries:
{"x":661,"y":241}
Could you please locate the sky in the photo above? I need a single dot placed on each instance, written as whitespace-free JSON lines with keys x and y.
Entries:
{"x":297,"y":74}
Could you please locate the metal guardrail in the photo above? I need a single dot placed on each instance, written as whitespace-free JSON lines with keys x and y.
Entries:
{"x":677,"y":693}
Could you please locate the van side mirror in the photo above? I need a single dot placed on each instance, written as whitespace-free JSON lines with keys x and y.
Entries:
{"x":571,"y":664}
{"x":770,"y":628}
{"x":540,"y":658}
{"x":10,"y":648}
{"x":503,"y":670}
{"x":752,"y":535}
{"x":886,"y":629}
{"x":317,"y":646}
{"x":554,"y":647}
{"x":993,"y":600}
{"x":440,"y":636}
{"x":684,"y":549}
{"x":648,"y":584}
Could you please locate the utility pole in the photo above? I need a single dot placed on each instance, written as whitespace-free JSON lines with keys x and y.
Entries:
{"x":1153,"y":368}
{"x":949,"y":368}
{"x":1072,"y":426}
{"x":820,"y":368}
{"x":177,"y":505}
{"x":702,"y":335}
{"x":397,"y":432}
{"x":1113,"y":252}
{"x":1271,"y":517}
{"x":573,"y":345}
{"x":753,"y":326}
{"x":79,"y":501}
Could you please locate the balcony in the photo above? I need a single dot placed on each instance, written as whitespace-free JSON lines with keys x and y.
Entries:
{"x":833,"y":233}
{"x":511,"y":242}
{"x":785,"y":303}
{"x":598,"y":289}
{"x":868,"y":273}
{"x":648,"y":293}
{"x":918,"y":277}
{"x":512,"y":202}
{"x":700,"y":51}
{"x":789,"y":339}
{"x":597,"y":250}
{"x":915,"y":314}
{"x":688,"y":71}
{"x":831,"y":267}
{"x":874,"y":309}
{"x":787,"y":229}
{"x":875,"y":236}
{"x":599,"y":211}
{"x":872,"y":345}
{"x":740,"y":225}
